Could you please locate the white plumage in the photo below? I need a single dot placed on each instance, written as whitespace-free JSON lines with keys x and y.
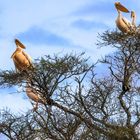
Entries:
{"x":21,"y":59}
{"x":35,"y":96}
{"x":122,"y":23}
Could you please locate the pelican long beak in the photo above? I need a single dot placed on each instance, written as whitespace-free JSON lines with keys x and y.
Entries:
{"x":19,"y":44}
{"x":120,"y":7}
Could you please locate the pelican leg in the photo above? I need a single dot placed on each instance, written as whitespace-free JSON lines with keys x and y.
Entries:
{"x":50,"y":110}
{"x":35,"y":107}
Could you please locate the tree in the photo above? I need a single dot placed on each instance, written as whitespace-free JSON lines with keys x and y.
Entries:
{"x":83,"y":105}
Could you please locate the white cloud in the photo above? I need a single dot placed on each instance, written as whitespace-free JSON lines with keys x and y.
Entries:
{"x":55,"y":16}
{"x":15,"y":102}
{"x":19,"y":16}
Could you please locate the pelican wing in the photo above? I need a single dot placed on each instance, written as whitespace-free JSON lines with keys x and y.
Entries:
{"x":127,"y":22}
{"x":27,"y":57}
{"x":31,"y":94}
{"x":21,"y":61}
{"x":41,"y":99}
{"x":17,"y":66}
{"x":34,"y":95}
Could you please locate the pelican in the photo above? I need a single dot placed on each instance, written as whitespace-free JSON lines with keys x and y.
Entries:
{"x":35,"y":96}
{"x":133,"y":16}
{"x":122,"y":23}
{"x":21,"y":59}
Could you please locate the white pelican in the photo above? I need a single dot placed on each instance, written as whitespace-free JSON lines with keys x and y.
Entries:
{"x":21,"y":59}
{"x":35,"y":96}
{"x":133,"y":16}
{"x":122,"y":23}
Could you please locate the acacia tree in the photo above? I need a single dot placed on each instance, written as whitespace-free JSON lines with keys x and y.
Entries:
{"x":83,"y":105}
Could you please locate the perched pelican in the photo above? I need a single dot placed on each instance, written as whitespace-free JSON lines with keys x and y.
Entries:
{"x":35,"y":96}
{"x":122,"y":23}
{"x":21,"y":59}
{"x":133,"y":16}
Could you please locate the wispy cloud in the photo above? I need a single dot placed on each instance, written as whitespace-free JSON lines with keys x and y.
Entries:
{"x":87,"y":24}
{"x":101,"y":7}
{"x":101,"y":13}
{"x":49,"y":26}
{"x":37,"y":35}
{"x":16,"y":102}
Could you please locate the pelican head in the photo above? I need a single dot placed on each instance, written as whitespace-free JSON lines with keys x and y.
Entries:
{"x":133,"y":15}
{"x":19,"y":44}
{"x":120,"y":7}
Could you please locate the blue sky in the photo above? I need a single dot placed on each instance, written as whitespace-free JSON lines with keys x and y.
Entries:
{"x":53,"y":26}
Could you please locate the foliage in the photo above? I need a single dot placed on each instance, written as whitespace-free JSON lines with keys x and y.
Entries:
{"x":83,"y":105}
